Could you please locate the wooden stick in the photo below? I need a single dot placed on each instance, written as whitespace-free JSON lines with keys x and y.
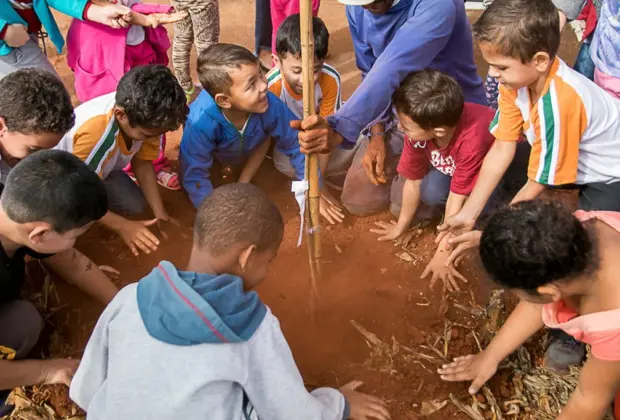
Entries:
{"x":313,"y":195}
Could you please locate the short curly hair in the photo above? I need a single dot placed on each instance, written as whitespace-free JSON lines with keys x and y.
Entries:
{"x":152,"y":98}
{"x":34,"y":101}
{"x":534,"y":243}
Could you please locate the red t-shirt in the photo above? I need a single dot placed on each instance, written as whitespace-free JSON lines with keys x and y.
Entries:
{"x":461,"y":159}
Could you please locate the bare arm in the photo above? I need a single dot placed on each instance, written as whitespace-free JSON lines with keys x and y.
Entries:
{"x":598,"y":383}
{"x":16,"y":373}
{"x":254,"y":162}
{"x":145,"y":174}
{"x":79,"y":270}
{"x":530,"y":191}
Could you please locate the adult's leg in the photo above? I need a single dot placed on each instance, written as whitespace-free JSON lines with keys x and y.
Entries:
{"x":361,"y":197}
{"x":20,"y":327}
{"x":206,"y":23}
{"x":262,"y":27}
{"x":27,"y":56}
{"x":181,"y":50}
{"x":124,"y":196}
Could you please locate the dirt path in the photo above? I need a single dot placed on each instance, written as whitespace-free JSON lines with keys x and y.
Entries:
{"x":363,"y":280}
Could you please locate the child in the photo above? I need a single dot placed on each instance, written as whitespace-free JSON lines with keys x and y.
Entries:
{"x":22,"y":21}
{"x":282,"y":9}
{"x":448,"y":135}
{"x":122,"y":127}
{"x":215,"y":344}
{"x":232,"y":117}
{"x":35,"y":112}
{"x":572,"y":124}
{"x":50,"y":198}
{"x":99,"y":56}
{"x":564,"y":268}
{"x":200,"y":27}
{"x":285,"y":81}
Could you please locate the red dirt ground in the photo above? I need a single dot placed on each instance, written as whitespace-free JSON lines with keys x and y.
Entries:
{"x":363,"y":280}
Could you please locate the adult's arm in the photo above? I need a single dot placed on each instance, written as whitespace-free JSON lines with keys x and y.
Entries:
{"x":413,"y":48}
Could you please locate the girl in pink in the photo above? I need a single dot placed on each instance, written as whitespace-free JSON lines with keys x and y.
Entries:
{"x":99,"y":56}
{"x":280,"y":10}
{"x":565,"y":269}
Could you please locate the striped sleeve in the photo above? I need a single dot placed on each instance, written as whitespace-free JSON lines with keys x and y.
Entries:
{"x":274,"y":82}
{"x":562,"y":122}
{"x":331,"y":88}
{"x":508,"y":122}
{"x":95,"y":141}
{"x":149,"y":150}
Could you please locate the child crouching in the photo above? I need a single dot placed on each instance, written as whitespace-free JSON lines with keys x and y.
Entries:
{"x":203,"y":336}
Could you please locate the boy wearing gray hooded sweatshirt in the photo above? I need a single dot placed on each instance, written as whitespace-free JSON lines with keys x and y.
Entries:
{"x":199,"y":344}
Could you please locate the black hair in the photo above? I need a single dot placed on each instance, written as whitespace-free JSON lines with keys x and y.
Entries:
{"x":152,"y":98}
{"x":288,"y":38}
{"x":34,"y":101}
{"x":214,"y":62}
{"x":520,"y":28}
{"x":55,"y":187}
{"x":430,"y":98}
{"x":534,"y":243}
{"x":237,"y":214}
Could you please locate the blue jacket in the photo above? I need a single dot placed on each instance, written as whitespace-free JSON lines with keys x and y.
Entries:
{"x":186,"y":308}
{"x":208,"y":133}
{"x":411,"y":36}
{"x":73,"y":8}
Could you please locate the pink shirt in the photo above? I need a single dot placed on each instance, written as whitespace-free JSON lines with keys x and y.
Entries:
{"x":600,"y":329}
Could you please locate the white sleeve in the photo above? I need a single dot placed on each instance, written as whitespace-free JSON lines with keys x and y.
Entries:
{"x":93,"y":369}
{"x":274,"y":385}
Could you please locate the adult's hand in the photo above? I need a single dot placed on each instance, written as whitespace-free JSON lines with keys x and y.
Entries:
{"x":112,"y":15}
{"x":459,"y":223}
{"x":374,"y":160}
{"x":315,"y":135}
{"x":461,"y":244}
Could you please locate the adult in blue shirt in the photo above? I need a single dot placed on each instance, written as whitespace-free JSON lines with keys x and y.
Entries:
{"x":392,"y":38}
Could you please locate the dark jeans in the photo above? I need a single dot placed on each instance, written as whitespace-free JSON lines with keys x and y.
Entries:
{"x":20,"y":327}
{"x":584,"y":63}
{"x":124,"y":196}
{"x":262,"y":26}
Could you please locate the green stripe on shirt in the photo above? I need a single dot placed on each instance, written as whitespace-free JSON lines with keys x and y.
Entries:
{"x":549,"y":136}
{"x":104,"y":147}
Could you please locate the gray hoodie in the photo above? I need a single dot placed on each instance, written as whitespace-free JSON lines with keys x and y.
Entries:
{"x":182,"y":345}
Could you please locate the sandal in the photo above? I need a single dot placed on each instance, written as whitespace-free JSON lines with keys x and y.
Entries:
{"x":168,"y":179}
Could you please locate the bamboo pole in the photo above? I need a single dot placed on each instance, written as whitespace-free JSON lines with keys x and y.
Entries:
{"x":313,"y":194}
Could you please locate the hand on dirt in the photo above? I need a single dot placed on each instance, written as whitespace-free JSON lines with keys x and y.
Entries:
{"x":58,"y":371}
{"x":330,"y":208}
{"x":463,"y":243}
{"x":138,"y":236}
{"x":315,"y":135}
{"x":156,"y":19}
{"x":476,"y":368}
{"x":16,"y":35}
{"x":388,"y":231}
{"x":459,"y":223}
{"x":439,"y":270}
{"x":374,"y":161}
{"x":363,"y":406}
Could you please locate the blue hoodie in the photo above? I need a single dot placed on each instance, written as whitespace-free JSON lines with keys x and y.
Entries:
{"x":208,"y":133}
{"x":186,"y":308}
{"x":183,"y":345}
{"x":411,"y":36}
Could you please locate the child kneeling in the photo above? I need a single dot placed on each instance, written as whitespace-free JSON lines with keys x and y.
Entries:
{"x":202,"y":336}
{"x":564,"y":269}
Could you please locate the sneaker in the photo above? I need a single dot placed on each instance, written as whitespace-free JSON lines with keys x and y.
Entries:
{"x":563,"y":351}
{"x":192,"y":94}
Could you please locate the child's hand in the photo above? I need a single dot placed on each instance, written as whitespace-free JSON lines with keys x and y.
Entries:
{"x":477,"y":368}
{"x":330,"y":209}
{"x":388,"y":231}
{"x":137,"y":235}
{"x":440,"y":270}
{"x":156,"y":19}
{"x":16,"y":35}
{"x":58,"y":371}
{"x":363,"y":406}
